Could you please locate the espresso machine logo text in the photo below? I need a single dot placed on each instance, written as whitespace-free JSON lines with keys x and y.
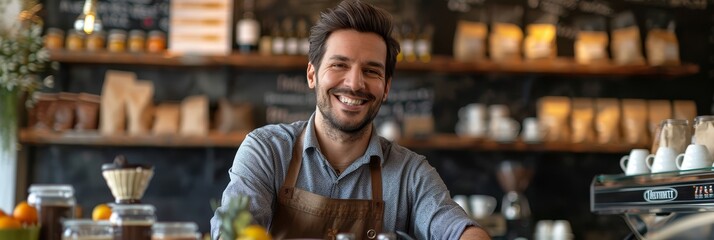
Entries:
{"x":660,"y":195}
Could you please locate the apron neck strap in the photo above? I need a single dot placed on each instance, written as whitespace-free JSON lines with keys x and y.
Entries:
{"x":375,"y":169}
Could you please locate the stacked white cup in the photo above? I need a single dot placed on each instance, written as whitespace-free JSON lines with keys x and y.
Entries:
{"x":502,"y":127}
{"x":553,"y":230}
{"x":472,"y":121}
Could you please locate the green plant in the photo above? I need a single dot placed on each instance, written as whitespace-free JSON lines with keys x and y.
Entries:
{"x":234,"y":216}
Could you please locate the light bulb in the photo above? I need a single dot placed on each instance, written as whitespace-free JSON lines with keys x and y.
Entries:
{"x":88,"y":21}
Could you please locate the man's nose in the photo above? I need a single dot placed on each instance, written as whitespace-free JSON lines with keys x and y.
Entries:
{"x":355,"y":79}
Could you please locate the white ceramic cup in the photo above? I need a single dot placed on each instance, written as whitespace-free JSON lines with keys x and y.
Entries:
{"x":532,"y":131}
{"x":663,"y":160}
{"x":696,"y":156}
{"x":543,"y":230}
{"x":473,"y":111}
{"x":504,"y":129}
{"x":462,"y":201}
{"x":636,"y":162}
{"x":390,"y":130}
{"x":561,"y":230}
{"x":482,"y":205}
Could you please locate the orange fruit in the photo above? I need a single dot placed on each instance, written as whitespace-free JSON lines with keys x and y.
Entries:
{"x":25,"y":213}
{"x":101,"y":212}
{"x":255,"y":232}
{"x":6,"y":222}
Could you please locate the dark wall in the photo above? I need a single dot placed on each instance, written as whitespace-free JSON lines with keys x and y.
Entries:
{"x":187,"y":179}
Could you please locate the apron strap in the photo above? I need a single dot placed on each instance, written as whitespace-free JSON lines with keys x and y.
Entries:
{"x":375,"y":170}
{"x":294,"y":167}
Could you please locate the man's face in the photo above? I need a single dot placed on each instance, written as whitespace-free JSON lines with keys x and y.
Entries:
{"x":350,"y":84}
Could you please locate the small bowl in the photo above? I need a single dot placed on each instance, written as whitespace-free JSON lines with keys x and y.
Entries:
{"x":28,"y":233}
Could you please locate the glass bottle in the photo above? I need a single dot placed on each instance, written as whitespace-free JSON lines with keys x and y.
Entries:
{"x":408,"y":38}
{"x":302,"y":34}
{"x":673,"y":133}
{"x":54,"y":203}
{"x":132,"y":221}
{"x":175,"y":231}
{"x":704,"y":132}
{"x":265,"y":47}
{"x":248,"y":29}
{"x":95,"y":41}
{"x":278,"y":43}
{"x":75,"y":40}
{"x":292,"y":45}
{"x":86,"y":229}
{"x":423,"y":44}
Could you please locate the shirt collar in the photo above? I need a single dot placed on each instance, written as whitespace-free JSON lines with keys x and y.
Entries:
{"x":374,"y":148}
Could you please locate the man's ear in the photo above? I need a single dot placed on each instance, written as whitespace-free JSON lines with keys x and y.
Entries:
{"x":311,"y":76}
{"x":387,"y":86}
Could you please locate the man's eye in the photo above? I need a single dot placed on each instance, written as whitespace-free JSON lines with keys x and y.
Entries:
{"x":373,"y":73}
{"x":339,"y":65}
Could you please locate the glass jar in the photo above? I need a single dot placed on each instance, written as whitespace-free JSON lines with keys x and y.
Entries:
{"x":175,"y":231}
{"x":86,"y":229}
{"x":156,"y":42}
{"x":53,"y":203}
{"x":54,"y":38}
{"x":132,"y":221}
{"x":136,"y":40}
{"x":75,"y":41}
{"x":704,"y":132}
{"x":673,"y":133}
{"x":117,"y":41}
{"x":95,"y":41}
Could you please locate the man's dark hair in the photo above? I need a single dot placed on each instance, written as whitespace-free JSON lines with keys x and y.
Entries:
{"x":362,"y":17}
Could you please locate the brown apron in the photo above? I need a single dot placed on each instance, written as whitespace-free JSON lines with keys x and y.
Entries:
{"x":302,"y":214}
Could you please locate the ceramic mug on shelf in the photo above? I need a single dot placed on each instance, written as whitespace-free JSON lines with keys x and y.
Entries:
{"x":532,"y":130}
{"x":663,"y":160}
{"x":473,"y":111}
{"x":462,"y":201}
{"x":636,"y":162}
{"x":696,"y":156}
{"x":482,"y":205}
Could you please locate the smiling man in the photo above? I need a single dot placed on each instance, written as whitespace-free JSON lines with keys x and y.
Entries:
{"x":332,"y":173}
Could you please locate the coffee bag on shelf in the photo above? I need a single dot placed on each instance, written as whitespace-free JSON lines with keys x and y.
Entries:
{"x":634,"y":121}
{"x":553,"y":113}
{"x":684,"y":109}
{"x":42,"y":114}
{"x":591,"y":42}
{"x":470,"y":41}
{"x":661,"y":43}
{"x":657,"y":110}
{"x":506,"y":33}
{"x":194,"y":116}
{"x":232,"y":117}
{"x":87,"y":111}
{"x":64,"y":111}
{"x":625,"y":42}
{"x":166,"y":119}
{"x":607,"y":120}
{"x":140,"y":107}
{"x":117,"y":85}
{"x":581,"y":120}
{"x":540,"y":40}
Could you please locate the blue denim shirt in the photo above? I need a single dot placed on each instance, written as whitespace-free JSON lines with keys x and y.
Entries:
{"x":416,"y":199}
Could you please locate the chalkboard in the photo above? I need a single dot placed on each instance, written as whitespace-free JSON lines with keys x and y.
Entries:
{"x":115,"y":14}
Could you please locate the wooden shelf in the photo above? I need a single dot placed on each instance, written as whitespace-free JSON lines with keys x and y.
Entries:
{"x":440,"y":64}
{"x":453,"y":142}
{"x":439,"y":141}
{"x":93,"y":138}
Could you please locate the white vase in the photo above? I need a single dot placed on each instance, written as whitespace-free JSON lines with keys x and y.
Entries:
{"x":8,"y":148}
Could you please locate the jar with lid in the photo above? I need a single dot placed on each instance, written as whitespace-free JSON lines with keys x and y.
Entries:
{"x":54,"y":38}
{"x":156,"y":42}
{"x":86,"y":229}
{"x":53,"y":203}
{"x":95,"y":41}
{"x":704,"y":132}
{"x":75,"y":40}
{"x":136,"y":40}
{"x":175,"y":231}
{"x":672,"y":133}
{"x":132,"y":221}
{"x":117,"y":41}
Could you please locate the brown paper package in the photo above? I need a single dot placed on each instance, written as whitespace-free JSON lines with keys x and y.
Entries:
{"x":607,"y":120}
{"x":64,"y":112}
{"x":626,"y":46}
{"x":117,"y":85}
{"x":684,"y":109}
{"x":43,"y":113}
{"x":140,"y":107}
{"x":634,"y":121}
{"x":657,"y":110}
{"x":553,"y":114}
{"x":234,"y":117}
{"x":166,"y":119}
{"x":194,"y":116}
{"x":582,"y":120}
{"x":87,"y":111}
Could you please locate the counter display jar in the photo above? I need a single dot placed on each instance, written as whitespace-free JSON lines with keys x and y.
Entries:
{"x":54,"y":204}
{"x":175,"y":231}
{"x":87,"y":229}
{"x":132,"y":221}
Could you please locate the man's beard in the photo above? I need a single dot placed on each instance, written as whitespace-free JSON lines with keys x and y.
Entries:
{"x":326,"y":109}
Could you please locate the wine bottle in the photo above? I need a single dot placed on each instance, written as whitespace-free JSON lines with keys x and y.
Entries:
{"x":248,"y":29}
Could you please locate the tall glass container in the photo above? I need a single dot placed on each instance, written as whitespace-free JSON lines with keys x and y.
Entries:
{"x":132,"y":221}
{"x":54,"y":204}
{"x":175,"y":231}
{"x":86,"y":229}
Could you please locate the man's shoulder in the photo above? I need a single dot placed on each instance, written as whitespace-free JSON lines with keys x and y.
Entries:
{"x":400,"y":153}
{"x":278,"y":131}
